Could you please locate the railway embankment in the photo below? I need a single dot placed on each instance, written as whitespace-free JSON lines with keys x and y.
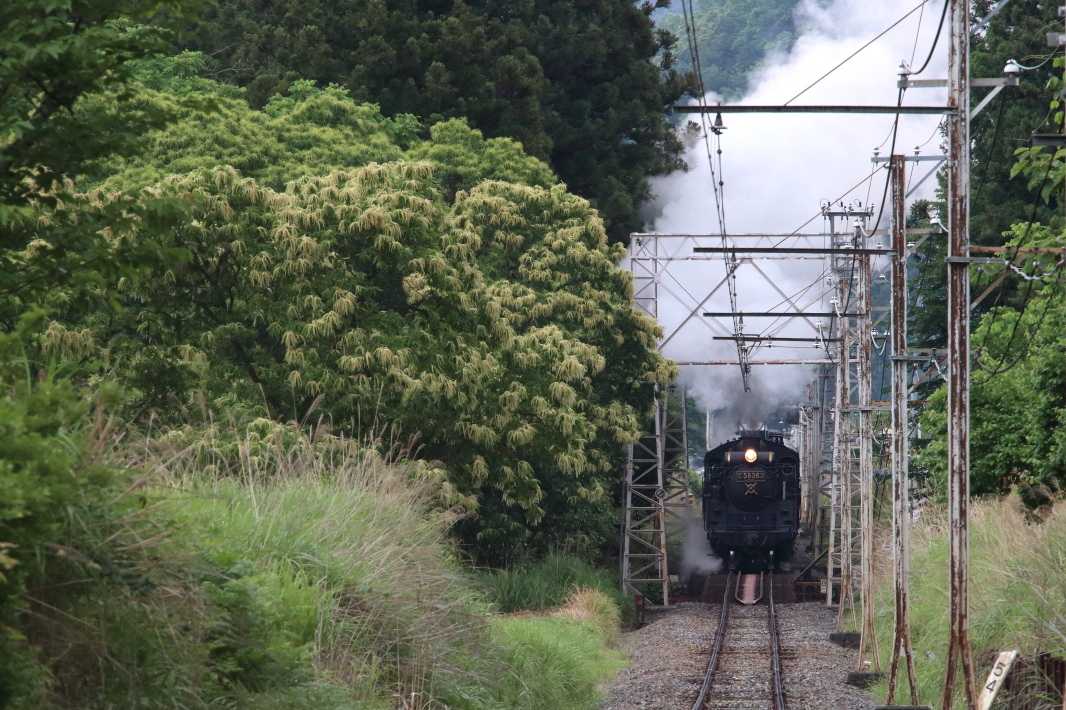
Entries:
{"x":270,"y":568}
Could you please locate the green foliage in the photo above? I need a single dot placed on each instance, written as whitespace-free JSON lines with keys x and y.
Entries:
{"x":558,"y":664}
{"x":55,"y":53}
{"x":547,"y":583}
{"x":497,"y":329}
{"x":310,"y":132}
{"x":696,"y":433}
{"x":1016,"y":593}
{"x":733,"y":38}
{"x":337,"y":561}
{"x":58,"y":57}
{"x":1018,"y":32}
{"x":331,"y":586}
{"x":927,"y":287}
{"x":576,"y":86}
{"x":312,"y":257}
{"x":1004,"y":173}
{"x":47,"y":470}
{"x":1044,"y":168}
{"x":1017,"y":399}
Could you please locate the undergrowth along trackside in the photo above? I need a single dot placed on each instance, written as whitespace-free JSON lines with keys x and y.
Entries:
{"x":1017,"y":591}
{"x":547,"y":583}
{"x":269,"y":567}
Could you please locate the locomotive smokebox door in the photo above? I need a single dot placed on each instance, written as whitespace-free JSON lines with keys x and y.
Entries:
{"x":750,"y":488}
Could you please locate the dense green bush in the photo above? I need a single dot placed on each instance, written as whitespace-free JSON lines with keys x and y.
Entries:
{"x":57,"y":492}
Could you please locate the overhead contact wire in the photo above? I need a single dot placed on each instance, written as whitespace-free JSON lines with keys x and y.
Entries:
{"x":718,"y":187}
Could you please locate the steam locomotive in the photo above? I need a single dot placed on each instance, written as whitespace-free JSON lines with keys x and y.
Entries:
{"x":751,"y":495}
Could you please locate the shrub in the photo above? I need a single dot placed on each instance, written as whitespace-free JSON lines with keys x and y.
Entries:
{"x":559,"y":660}
{"x":547,"y":583}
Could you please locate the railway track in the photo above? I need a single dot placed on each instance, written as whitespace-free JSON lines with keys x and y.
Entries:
{"x":745,"y":668}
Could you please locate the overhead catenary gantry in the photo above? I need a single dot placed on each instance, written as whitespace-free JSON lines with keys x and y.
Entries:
{"x":847,"y":344}
{"x":787,"y":324}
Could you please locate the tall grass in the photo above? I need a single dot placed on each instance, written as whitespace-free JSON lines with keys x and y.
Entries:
{"x":345,"y":550}
{"x":547,"y":583}
{"x":1017,"y":590}
{"x":273,"y":567}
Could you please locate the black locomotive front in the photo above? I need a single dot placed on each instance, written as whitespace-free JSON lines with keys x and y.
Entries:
{"x":751,"y":498}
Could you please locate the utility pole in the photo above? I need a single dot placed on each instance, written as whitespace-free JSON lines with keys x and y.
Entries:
{"x":864,"y":336}
{"x":959,"y":652}
{"x":901,"y":514}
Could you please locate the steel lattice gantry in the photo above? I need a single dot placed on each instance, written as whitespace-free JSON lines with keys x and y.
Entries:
{"x":656,"y":485}
{"x":655,"y":494}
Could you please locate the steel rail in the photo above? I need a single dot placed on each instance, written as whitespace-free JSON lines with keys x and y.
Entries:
{"x":719,"y":637}
{"x":775,"y":660}
{"x":732,"y":585}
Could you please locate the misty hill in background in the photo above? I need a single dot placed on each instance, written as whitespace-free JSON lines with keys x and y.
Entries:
{"x":733,"y":37}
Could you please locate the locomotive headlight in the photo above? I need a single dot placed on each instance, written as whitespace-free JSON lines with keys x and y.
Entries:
{"x":750,"y":455}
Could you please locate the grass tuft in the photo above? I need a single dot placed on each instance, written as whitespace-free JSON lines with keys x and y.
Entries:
{"x":273,"y":567}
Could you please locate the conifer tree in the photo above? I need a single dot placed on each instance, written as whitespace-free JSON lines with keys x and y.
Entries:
{"x":583,"y":86}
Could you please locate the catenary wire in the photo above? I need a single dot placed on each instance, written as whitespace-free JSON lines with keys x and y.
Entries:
{"x":853,"y":54}
{"x":718,"y":186}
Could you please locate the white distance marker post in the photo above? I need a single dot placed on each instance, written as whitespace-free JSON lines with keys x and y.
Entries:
{"x":995,"y":679}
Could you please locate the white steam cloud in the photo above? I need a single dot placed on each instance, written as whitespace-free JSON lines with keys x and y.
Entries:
{"x":696,"y":555}
{"x":778,"y":169}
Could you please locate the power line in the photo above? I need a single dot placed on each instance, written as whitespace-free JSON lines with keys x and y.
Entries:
{"x":1025,"y":303}
{"x":836,"y":199}
{"x":852,"y":55}
{"x":936,"y":39}
{"x":918,"y":32}
{"x":1047,"y":59}
{"x":991,"y":148}
{"x":892,"y":151}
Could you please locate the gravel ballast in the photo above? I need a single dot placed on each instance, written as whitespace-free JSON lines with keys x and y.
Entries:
{"x":669,"y":656}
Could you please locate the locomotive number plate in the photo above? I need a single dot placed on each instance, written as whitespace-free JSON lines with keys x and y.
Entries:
{"x":751,"y":476}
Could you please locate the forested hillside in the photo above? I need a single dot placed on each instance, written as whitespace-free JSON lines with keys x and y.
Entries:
{"x":576,"y":83}
{"x":732,"y":38}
